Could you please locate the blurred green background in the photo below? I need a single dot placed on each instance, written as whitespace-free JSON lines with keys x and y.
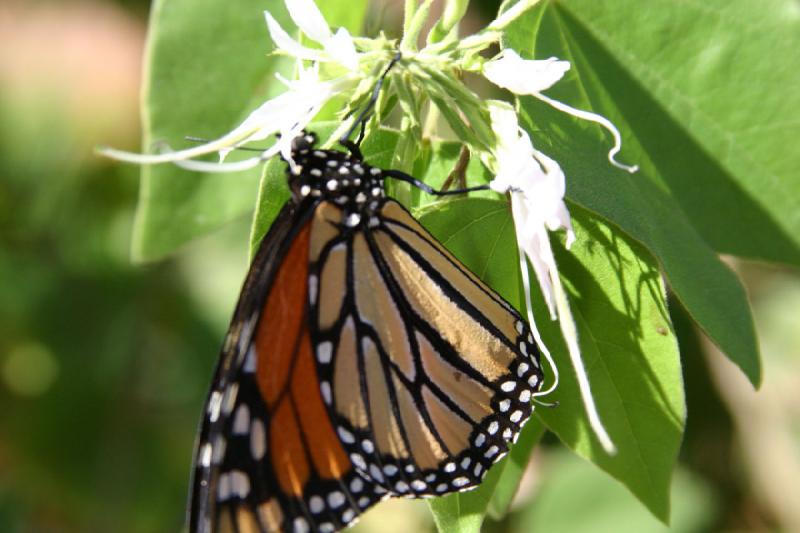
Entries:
{"x":104,"y":364}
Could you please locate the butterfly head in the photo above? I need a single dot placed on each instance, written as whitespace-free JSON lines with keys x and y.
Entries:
{"x":333,"y":175}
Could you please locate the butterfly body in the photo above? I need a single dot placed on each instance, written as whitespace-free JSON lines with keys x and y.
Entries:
{"x":363,"y":361}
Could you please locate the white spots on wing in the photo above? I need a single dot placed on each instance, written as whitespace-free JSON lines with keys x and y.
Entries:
{"x":345,"y":436}
{"x":441,"y":487}
{"x":508,"y":386}
{"x":480,"y":440}
{"x":316,"y":504}
{"x":240,"y":484}
{"x":357,"y":485}
{"x":358,"y":461}
{"x":367,"y":446}
{"x":520,"y":326}
{"x":493,"y":427}
{"x":363,"y":501}
{"x":465,"y":462}
{"x":522,"y":368}
{"x":223,"y":487}
{"x":419,"y":485}
{"x":214,"y":405}
{"x":533,"y":380}
{"x":352,"y":220}
{"x":233,"y":484}
{"x":460,"y":482}
{"x":401,"y":487}
{"x":326,"y":527}
{"x":258,"y":440}
{"x":250,"y":361}
{"x":491,"y":452}
{"x":324,"y":351}
{"x":219,"y":449}
{"x":300,"y":525}
{"x":390,"y":470}
{"x":229,"y":398}
{"x":525,"y":396}
{"x":325,"y":389}
{"x":205,"y":455}
{"x":505,"y":405}
{"x":516,"y":416}
{"x":479,"y":468}
{"x":430,"y":478}
{"x":523,"y":348}
{"x":348,"y":516}
{"x":241,"y":420}
{"x":450,"y":468}
{"x":376,"y":473}
{"x":507,"y":434}
{"x":336,"y":499}
{"x":313,"y":285}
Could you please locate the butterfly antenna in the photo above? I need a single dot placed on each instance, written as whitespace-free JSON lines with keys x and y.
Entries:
{"x":402,"y":176}
{"x":361,"y":120}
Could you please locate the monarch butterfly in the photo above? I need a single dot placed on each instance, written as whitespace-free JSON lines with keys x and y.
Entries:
{"x":363,"y":361}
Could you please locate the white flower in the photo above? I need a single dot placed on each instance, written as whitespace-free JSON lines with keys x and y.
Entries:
{"x":286,"y":114}
{"x":537,"y":186}
{"x":530,"y":77}
{"x":336,"y":47}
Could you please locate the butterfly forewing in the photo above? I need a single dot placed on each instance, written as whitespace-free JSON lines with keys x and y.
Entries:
{"x":363,"y":361}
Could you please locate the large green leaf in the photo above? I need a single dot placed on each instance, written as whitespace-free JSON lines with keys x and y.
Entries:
{"x":625,"y":334}
{"x":207,"y":68}
{"x":710,"y":89}
{"x":641,"y":204}
{"x":631,"y":355}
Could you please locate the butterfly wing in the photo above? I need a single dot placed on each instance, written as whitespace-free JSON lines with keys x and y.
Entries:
{"x":362,"y":362}
{"x":427,"y":373}
{"x":268,"y":458}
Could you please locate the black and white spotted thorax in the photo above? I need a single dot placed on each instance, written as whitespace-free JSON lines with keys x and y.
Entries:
{"x":335,"y":176}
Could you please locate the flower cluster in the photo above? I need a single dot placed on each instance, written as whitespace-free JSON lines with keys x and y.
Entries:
{"x":344,"y":67}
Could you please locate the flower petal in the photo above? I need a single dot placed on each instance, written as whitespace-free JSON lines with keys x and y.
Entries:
{"x":524,"y":76}
{"x":287,"y":44}
{"x":309,"y":19}
{"x":341,"y":48}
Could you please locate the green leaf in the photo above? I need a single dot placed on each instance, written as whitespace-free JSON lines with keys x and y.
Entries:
{"x":631,"y":356}
{"x":626,"y":338}
{"x":710,"y":88}
{"x":641,"y":204}
{"x":577,"y":498}
{"x":207,"y":68}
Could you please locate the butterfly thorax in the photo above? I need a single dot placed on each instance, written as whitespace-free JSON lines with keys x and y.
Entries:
{"x":338,"y":177}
